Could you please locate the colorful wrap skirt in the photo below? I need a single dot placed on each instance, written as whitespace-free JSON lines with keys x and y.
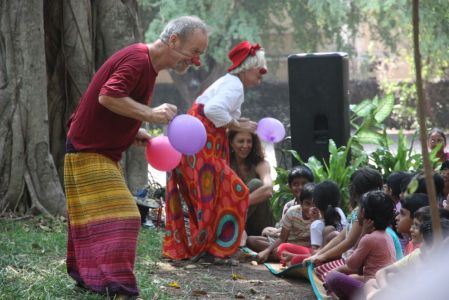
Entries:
{"x":215,"y":197}
{"x":103,"y":225}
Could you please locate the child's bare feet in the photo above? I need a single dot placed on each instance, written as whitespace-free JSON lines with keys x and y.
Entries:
{"x":286,"y":257}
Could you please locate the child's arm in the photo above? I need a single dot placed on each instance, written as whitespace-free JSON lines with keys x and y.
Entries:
{"x":334,"y":249}
{"x":357,"y":260}
{"x":264,"y":254}
{"x":266,"y":190}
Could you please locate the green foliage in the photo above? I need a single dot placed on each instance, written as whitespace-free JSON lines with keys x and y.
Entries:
{"x":391,"y":22}
{"x":282,"y":193}
{"x":367,"y":120}
{"x":334,"y":24}
{"x":339,"y":168}
{"x":32,"y":262}
{"x":404,"y":112}
{"x":387,"y":162}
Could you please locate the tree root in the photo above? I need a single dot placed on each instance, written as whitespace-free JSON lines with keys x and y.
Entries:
{"x":35,"y":203}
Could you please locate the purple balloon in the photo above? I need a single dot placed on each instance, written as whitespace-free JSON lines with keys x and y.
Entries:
{"x":270,"y":130}
{"x":187,"y":134}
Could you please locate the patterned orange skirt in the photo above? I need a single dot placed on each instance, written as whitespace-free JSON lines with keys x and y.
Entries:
{"x":216,"y":198}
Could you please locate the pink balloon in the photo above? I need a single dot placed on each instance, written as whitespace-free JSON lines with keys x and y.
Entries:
{"x":187,"y":134}
{"x":161,"y":155}
{"x":270,"y":130}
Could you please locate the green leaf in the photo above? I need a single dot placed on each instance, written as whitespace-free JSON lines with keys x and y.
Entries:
{"x":364,"y":108}
{"x":384,"y":108}
{"x":369,"y":137}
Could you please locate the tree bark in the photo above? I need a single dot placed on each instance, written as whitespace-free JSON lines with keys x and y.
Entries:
{"x":116,"y":26}
{"x":24,"y":138}
{"x":49,"y":51}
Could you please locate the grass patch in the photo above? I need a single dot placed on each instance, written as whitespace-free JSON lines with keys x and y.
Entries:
{"x":32,"y":262}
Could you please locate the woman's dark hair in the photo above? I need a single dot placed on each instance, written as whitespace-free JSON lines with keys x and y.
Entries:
{"x":326,"y":198}
{"x":298,"y":172}
{"x":438,"y":131}
{"x":427,"y":231}
{"x":437,"y":179}
{"x":378,"y":207}
{"x":394,"y":182}
{"x":406,"y":181}
{"x":255,"y":156}
{"x":364,"y":180}
{"x":423,"y":214}
{"x":307,"y":192}
{"x":413,"y":202}
{"x":444,"y":165}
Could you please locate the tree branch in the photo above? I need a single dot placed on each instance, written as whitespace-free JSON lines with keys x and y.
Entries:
{"x":422,"y":128}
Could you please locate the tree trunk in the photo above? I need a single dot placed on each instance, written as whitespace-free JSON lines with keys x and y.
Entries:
{"x":49,"y":51}
{"x":116,"y":26}
{"x":28,"y":175}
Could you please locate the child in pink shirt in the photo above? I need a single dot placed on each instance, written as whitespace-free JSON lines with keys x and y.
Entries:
{"x":374,"y":251}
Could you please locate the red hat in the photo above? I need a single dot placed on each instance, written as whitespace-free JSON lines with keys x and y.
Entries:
{"x":240,"y":52}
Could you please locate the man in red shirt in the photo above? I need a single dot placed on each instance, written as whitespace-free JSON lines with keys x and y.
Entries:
{"x":103,"y":218}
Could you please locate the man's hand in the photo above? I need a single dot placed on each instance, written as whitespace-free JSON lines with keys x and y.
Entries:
{"x":162,"y":114}
{"x":141,"y":138}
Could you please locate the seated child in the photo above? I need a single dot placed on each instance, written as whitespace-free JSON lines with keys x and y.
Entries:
{"x":326,"y":198}
{"x":404,"y":220}
{"x":439,"y":186}
{"x":295,"y":227}
{"x":339,"y":248}
{"x":297,"y":178}
{"x":393,"y":187}
{"x":374,"y":251}
{"x":423,"y":232}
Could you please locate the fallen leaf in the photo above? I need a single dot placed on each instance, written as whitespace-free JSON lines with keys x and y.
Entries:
{"x":45,"y":228}
{"x":174,"y":284}
{"x":235,"y":276}
{"x":197,"y":293}
{"x":190,"y":267}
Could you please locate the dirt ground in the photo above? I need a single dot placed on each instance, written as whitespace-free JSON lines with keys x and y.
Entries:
{"x":245,"y":280}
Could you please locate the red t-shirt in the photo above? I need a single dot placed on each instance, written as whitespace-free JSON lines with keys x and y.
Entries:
{"x":93,"y":127}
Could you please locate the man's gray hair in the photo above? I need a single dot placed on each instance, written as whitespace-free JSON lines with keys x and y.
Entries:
{"x":183,"y":27}
{"x":256,"y":61}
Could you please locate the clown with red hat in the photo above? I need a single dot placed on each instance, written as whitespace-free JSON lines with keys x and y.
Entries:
{"x":216,"y":196}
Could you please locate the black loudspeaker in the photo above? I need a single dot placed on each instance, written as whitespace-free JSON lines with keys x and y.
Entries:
{"x":319,"y":106}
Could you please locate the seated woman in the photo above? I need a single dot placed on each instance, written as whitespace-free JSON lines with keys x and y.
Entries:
{"x":216,"y":198}
{"x":437,"y":137}
{"x":247,"y":160}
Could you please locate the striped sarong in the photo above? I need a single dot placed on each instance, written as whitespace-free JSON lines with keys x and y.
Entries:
{"x":103,"y":224}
